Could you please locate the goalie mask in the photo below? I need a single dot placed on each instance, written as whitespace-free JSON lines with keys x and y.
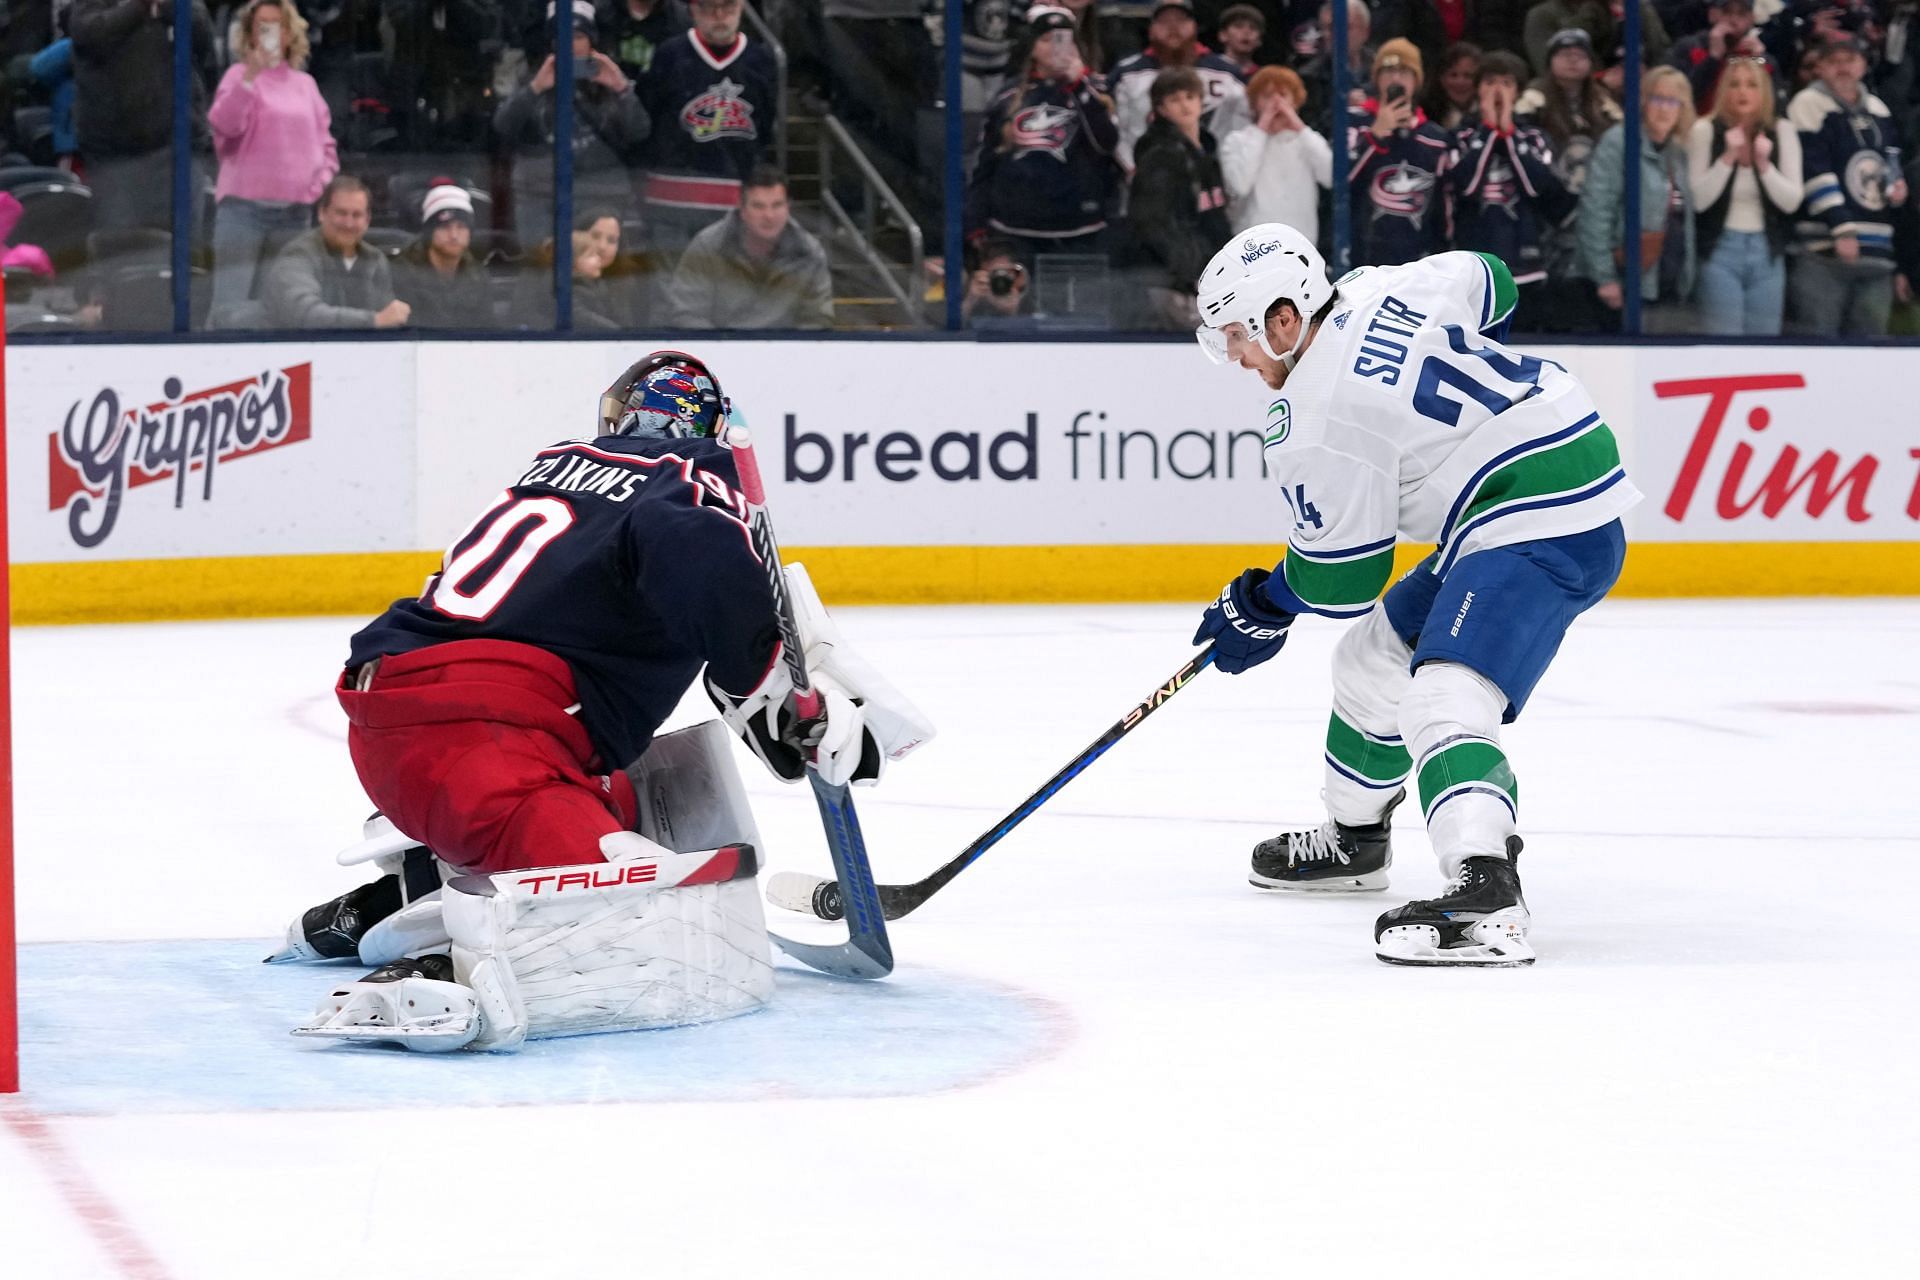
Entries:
{"x":666,"y":394}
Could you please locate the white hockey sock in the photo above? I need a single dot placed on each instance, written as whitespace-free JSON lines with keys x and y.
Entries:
{"x":1366,"y":761}
{"x":1450,"y":718}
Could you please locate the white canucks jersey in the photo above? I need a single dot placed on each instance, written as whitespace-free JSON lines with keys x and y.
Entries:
{"x":1403,"y":420}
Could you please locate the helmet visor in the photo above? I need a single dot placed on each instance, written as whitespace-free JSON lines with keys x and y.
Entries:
{"x":1212,"y":341}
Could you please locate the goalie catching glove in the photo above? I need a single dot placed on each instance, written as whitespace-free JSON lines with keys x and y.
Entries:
{"x":864,"y":720}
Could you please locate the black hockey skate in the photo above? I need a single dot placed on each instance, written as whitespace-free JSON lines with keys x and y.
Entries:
{"x":1329,"y":858}
{"x":332,"y":930}
{"x":1480,"y":920}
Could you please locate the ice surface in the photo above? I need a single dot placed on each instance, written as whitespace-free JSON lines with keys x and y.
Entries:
{"x":1103,"y":1053}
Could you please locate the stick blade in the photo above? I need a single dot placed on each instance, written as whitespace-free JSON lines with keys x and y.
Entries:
{"x":843,"y":960}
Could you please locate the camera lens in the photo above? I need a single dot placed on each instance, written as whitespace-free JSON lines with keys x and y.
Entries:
{"x":1000,"y":281}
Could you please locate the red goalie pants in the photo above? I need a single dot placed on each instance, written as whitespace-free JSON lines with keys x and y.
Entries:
{"x":468,"y":748}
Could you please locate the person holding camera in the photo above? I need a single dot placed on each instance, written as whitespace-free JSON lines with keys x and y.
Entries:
{"x":272,"y":134}
{"x":997,"y":289}
{"x":609,"y":128}
{"x":1400,"y":157}
{"x":1504,"y":190}
{"x":1046,"y":150}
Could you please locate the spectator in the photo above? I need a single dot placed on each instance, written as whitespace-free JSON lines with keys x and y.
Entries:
{"x":1172,"y":42}
{"x":1703,"y":55}
{"x":713,"y":92}
{"x":1276,"y":167}
{"x":328,"y":278}
{"x":1505,"y":193}
{"x":634,"y":29}
{"x":1600,"y":19}
{"x":1316,"y":72}
{"x":1842,"y":273}
{"x":609,"y":128}
{"x":997,"y":290}
{"x":1744,"y":165}
{"x":1572,"y":109}
{"x":439,"y":80}
{"x":276,"y":152}
{"x":1453,"y":99}
{"x":1399,"y":158}
{"x":1241,"y":31}
{"x":52,"y":69}
{"x":437,"y":275}
{"x":1179,"y":215}
{"x":123,"y":104}
{"x":756,"y":268}
{"x":601,"y":297}
{"x":1045,"y":167}
{"x":1666,"y":249}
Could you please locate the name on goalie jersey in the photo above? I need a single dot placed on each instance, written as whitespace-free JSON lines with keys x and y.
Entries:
{"x":1383,"y":346}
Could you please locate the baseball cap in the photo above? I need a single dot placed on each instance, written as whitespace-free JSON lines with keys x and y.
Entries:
{"x":1184,"y":6}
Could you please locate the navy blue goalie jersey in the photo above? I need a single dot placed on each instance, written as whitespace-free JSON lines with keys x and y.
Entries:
{"x":627,"y":558}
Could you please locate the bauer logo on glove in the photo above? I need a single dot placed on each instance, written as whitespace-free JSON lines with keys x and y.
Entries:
{"x":1246,"y":628}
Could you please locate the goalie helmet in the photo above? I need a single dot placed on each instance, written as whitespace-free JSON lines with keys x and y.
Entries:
{"x":666,"y":394}
{"x":1262,"y":265}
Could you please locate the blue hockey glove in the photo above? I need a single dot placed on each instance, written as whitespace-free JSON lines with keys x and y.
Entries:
{"x":1246,"y":628}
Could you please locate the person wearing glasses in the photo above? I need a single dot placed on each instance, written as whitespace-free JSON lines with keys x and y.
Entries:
{"x":1666,"y":251}
{"x":1744,"y":167}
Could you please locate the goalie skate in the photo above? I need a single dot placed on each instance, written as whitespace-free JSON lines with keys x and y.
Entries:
{"x":1480,"y":920}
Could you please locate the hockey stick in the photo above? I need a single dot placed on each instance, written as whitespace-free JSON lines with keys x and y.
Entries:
{"x":866,"y":953}
{"x":797,"y":891}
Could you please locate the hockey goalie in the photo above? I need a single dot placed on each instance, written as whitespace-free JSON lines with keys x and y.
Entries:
{"x":531,"y":886}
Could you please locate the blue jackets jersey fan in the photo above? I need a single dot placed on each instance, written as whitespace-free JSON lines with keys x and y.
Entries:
{"x":1399,"y":204}
{"x":627,"y":558}
{"x":713,"y":111}
{"x":1505,"y":195}
{"x":1848,"y":159}
{"x":1046,"y":160}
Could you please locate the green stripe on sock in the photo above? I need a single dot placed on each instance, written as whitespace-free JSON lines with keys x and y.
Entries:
{"x":1472,"y":760}
{"x":1374,"y":761}
{"x":1571,"y":465}
{"x":1342,"y":584}
{"x":1505,"y":292}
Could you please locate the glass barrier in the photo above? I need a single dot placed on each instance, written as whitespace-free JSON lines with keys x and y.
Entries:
{"x":887,"y":164}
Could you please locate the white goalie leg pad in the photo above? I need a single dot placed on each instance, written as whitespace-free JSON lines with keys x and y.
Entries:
{"x":1370,"y":679}
{"x":563,"y":951}
{"x":419,"y":1013}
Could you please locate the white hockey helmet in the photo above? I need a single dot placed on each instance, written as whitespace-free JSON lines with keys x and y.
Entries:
{"x":1261,"y":266}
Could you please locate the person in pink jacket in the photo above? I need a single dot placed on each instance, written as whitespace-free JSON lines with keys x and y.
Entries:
{"x":271,"y":135}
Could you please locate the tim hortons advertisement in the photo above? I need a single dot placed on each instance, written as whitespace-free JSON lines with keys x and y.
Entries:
{"x":1777,"y":444}
{"x":121,"y":453}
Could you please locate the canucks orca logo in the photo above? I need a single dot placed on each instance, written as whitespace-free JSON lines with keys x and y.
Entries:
{"x":721,"y":112}
{"x":1279,"y":422}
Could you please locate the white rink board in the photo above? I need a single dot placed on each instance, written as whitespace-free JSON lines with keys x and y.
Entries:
{"x":897,"y":443}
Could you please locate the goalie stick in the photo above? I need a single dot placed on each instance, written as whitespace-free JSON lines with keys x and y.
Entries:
{"x":797,"y":891}
{"x":866,"y":953}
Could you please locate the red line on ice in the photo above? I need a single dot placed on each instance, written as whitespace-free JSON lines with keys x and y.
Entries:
{"x":102,"y":1218}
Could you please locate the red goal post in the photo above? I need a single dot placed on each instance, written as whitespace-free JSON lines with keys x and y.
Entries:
{"x":9,"y":990}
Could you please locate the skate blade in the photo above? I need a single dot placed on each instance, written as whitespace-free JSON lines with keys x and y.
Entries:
{"x":1499,"y":945}
{"x":1371,"y":882}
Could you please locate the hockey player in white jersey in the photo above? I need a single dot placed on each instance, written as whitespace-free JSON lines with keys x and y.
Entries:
{"x":1396,"y":413}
